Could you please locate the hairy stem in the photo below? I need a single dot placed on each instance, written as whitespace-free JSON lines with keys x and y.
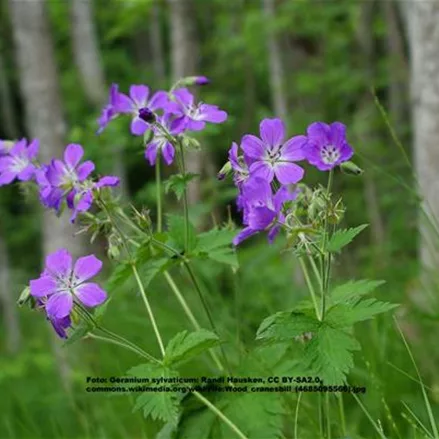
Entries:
{"x":158,"y":194}
{"x":310,"y":286}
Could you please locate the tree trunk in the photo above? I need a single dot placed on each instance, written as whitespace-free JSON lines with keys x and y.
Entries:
{"x":9,"y":121}
{"x":156,"y":42}
{"x":11,"y":322}
{"x":423,"y":24}
{"x":86,"y":51}
{"x":44,"y":118}
{"x":277,"y":76}
{"x":184,"y":56}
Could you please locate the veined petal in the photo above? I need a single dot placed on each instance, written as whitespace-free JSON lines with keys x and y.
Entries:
{"x":27,"y":173}
{"x":257,"y":191}
{"x":338,"y":133}
{"x":319,"y":133}
{"x":73,"y":155}
{"x":60,"y":325}
{"x":272,"y":132}
{"x":138,"y":126}
{"x":124,"y":104}
{"x":253,"y":146}
{"x":259,"y":218}
{"x":184,"y":97}
{"x":139,"y":94}
{"x":108,"y":180}
{"x":262,"y":170}
{"x":59,"y":305}
{"x":59,"y":263}
{"x":158,"y":100}
{"x":43,"y":286}
{"x":7,"y":177}
{"x":87,"y":267}
{"x":195,"y":125}
{"x":151,"y":153}
{"x":91,"y":294}
{"x":288,"y":173}
{"x":168,"y":153}
{"x":33,"y":148}
{"x":211,"y":113}
{"x":85,"y":169}
{"x":293,"y":149}
{"x":56,"y":172}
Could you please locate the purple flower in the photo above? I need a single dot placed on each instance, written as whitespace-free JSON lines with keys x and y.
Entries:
{"x":17,"y":163}
{"x":61,"y":284}
{"x":240,"y":165}
{"x":79,"y":200}
{"x":136,"y":104}
{"x":60,"y":325}
{"x":327,"y":146}
{"x":262,"y":209}
{"x":160,"y":143}
{"x":60,"y":178}
{"x":109,"y":112}
{"x":201,"y":80}
{"x":270,"y":156}
{"x":193,"y":116}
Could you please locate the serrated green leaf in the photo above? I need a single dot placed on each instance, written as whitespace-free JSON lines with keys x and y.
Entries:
{"x":225,"y":256}
{"x":343,"y":237}
{"x":120,"y":275}
{"x":214,"y":239}
{"x":177,"y":183}
{"x":185,"y":346}
{"x":157,"y":405}
{"x":345,"y":315}
{"x":354,"y":289}
{"x":284,"y":326}
{"x":329,"y":354}
{"x":176,"y":230}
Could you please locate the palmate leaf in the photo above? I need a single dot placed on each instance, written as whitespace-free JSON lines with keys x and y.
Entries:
{"x":286,"y":325}
{"x":176,"y":230}
{"x":177,"y":183}
{"x":343,"y":237}
{"x":329,"y":355}
{"x":185,"y":346}
{"x":157,"y":405}
{"x":344,"y":315}
{"x":354,"y":289}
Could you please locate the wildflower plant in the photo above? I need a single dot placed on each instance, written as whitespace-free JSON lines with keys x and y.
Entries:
{"x":315,"y":338}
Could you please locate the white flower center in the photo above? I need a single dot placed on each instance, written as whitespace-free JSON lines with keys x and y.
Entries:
{"x":20,"y":163}
{"x":329,"y":154}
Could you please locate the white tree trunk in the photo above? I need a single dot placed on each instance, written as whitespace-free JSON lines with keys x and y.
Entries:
{"x":86,"y":51}
{"x":423,"y":25}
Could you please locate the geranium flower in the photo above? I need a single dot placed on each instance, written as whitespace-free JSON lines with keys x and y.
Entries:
{"x":17,"y":162}
{"x":61,"y":284}
{"x":193,"y":116}
{"x":327,"y":146}
{"x":110,"y":111}
{"x":270,"y":156}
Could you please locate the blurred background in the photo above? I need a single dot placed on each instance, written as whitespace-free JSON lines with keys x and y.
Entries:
{"x":373,"y":65}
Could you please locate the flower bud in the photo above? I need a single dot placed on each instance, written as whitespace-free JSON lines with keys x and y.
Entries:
{"x":146,"y":115}
{"x":350,"y":168}
{"x":191,"y":143}
{"x":224,"y":171}
{"x":191,"y":80}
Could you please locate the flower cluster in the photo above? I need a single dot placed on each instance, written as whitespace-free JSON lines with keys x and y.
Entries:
{"x":163,"y":115}
{"x":267,"y":167}
{"x":63,"y":284}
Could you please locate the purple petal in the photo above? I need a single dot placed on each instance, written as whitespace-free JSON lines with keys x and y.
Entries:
{"x":27,"y":173}
{"x":174,"y":108}
{"x":151,"y":153}
{"x":85,"y":201}
{"x":55,"y":172}
{"x":108,"y":180}
{"x":293,"y":149}
{"x":7,"y":177}
{"x":6,"y":163}
{"x":211,"y":113}
{"x":283,"y":195}
{"x":59,"y":305}
{"x":139,"y":94}
{"x":168,"y":153}
{"x":184,"y":97}
{"x":59,"y":263}
{"x":262,"y":170}
{"x":124,"y":104}
{"x":138,"y":126}
{"x":43,"y":286}
{"x":33,"y":148}
{"x":19,"y":148}
{"x":272,"y":132}
{"x":257,"y":191}
{"x":158,"y":100}
{"x":91,"y":294}
{"x":252,"y":146}
{"x":85,"y":169}
{"x":273,"y":233}
{"x":259,"y":218}
{"x":60,"y":325}
{"x":338,"y":133}
{"x":288,"y":173}
{"x":346,"y":153}
{"x":243,"y":235}
{"x":87,"y":267}
{"x":178,"y":125}
{"x":195,"y":125}
{"x":319,"y":133}
{"x":73,"y":155}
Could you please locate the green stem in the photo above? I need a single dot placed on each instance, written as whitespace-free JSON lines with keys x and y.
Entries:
{"x":158,"y":194}
{"x":310,"y":286}
{"x":221,"y":415}
{"x":149,"y":310}
{"x":185,"y":199}
{"x":328,"y":417}
{"x":342,"y":416}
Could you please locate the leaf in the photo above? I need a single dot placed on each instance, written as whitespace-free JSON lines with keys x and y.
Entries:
{"x":176,"y":230}
{"x":225,"y":256}
{"x":214,"y":239}
{"x":78,"y":333}
{"x":287,"y":325}
{"x":329,"y":354}
{"x":345,"y":315}
{"x":177,"y":183}
{"x":354,"y":289}
{"x":343,"y":237}
{"x":157,"y":405}
{"x":185,"y":346}
{"x":120,"y":275}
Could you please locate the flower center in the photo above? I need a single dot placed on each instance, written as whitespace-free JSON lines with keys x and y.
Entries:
{"x":19,"y":164}
{"x":329,"y":154}
{"x":193,"y":112}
